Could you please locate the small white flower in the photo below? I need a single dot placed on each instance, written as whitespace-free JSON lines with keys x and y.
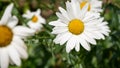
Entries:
{"x":12,"y":47}
{"x":36,"y":19}
{"x":93,"y":5}
{"x":77,"y":27}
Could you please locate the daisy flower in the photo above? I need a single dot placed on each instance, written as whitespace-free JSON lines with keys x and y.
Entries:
{"x":77,"y":27}
{"x":93,"y":5}
{"x":36,"y":20}
{"x":12,"y":47}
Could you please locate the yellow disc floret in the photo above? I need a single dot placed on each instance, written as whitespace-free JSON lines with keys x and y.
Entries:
{"x":82,"y":4}
{"x":34,"y":19}
{"x":6,"y":36}
{"x":76,"y":26}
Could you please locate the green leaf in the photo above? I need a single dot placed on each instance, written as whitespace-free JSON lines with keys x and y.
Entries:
{"x":116,"y":3}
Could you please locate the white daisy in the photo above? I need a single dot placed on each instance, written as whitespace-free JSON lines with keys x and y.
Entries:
{"x":12,"y":47}
{"x":36,"y":19}
{"x":93,"y":5}
{"x":77,"y":27}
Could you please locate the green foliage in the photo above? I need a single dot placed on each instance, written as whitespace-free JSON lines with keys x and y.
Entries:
{"x":43,"y":53}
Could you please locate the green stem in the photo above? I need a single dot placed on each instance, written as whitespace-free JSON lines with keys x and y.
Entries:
{"x":18,"y":14}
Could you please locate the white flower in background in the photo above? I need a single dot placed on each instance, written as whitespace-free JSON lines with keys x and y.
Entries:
{"x":12,"y":47}
{"x":77,"y":27}
{"x":36,"y":20}
{"x":93,"y":5}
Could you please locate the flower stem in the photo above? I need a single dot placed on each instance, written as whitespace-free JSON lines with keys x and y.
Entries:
{"x":17,"y":13}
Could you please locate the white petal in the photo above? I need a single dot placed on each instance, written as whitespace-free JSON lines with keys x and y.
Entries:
{"x":89,"y":16}
{"x":35,"y":26}
{"x":57,"y":30}
{"x":77,"y":46}
{"x":96,"y":6}
{"x":13,"y":21}
{"x":93,"y":35}
{"x":65,"y":38}
{"x":100,"y":35}
{"x":69,"y":10}
{"x":57,"y":23}
{"x":75,"y":6}
{"x":84,"y":44}
{"x":64,"y":13}
{"x":56,"y":40}
{"x":62,"y":18}
{"x":22,"y":52}
{"x":7,"y":14}
{"x":23,"y":31}
{"x":88,"y":38}
{"x":11,"y":62}
{"x":38,"y":11}
{"x":70,"y":44}
{"x":28,"y":14}
{"x":41,"y":20}
{"x":84,"y":11}
{"x":62,"y":38}
{"x":28,"y":11}
{"x":19,"y":41}
{"x":14,"y":56}
{"x":4,"y":58}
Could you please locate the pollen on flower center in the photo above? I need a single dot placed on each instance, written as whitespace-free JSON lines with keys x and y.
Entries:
{"x":76,"y":26}
{"x":34,"y":19}
{"x":6,"y":36}
{"x":82,"y":4}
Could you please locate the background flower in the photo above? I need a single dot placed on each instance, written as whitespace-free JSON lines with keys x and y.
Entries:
{"x":94,"y":5}
{"x":36,"y":20}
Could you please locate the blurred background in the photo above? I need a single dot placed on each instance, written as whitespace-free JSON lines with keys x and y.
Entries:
{"x":43,"y":53}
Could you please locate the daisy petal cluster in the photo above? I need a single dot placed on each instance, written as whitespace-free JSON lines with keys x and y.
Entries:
{"x":36,"y":20}
{"x":79,"y":26}
{"x":12,"y":46}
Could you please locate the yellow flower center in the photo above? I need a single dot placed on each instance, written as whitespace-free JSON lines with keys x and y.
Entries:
{"x":34,"y":19}
{"x":76,"y":26}
{"x":82,"y":4}
{"x":6,"y":36}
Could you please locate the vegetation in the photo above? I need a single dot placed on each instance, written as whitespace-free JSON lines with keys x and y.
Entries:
{"x":44,"y":53}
